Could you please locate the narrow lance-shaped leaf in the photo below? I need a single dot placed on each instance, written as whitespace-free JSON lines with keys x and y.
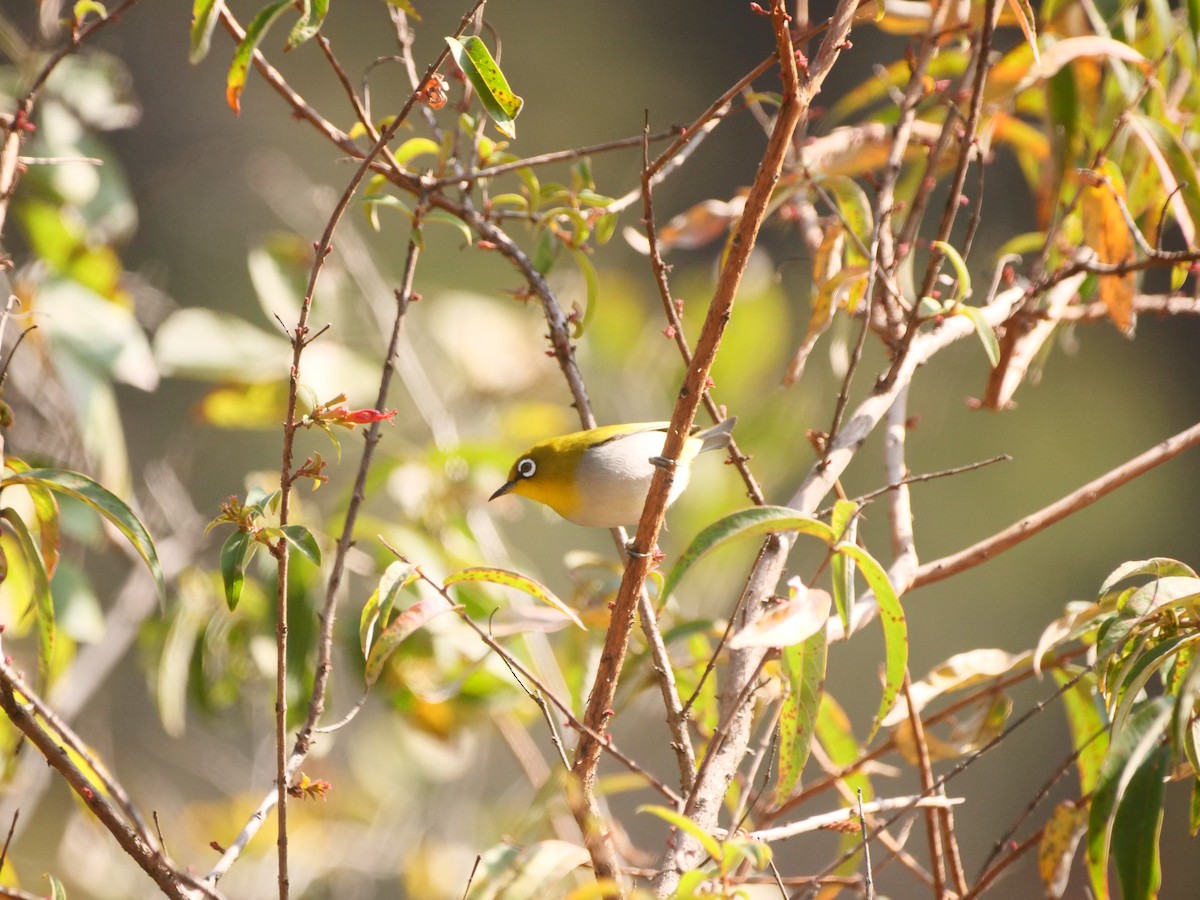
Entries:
{"x":844,"y":521}
{"x":1130,"y":748}
{"x":112,"y":507}
{"x":235,"y":81}
{"x":397,"y":631}
{"x":311,"y":19}
{"x":205,"y":14}
{"x":1138,"y":826}
{"x":592,"y":283}
{"x":756,"y":520}
{"x":710,"y":844}
{"x":42,"y":601}
{"x":236,"y":552}
{"x":514,"y":580}
{"x":45,"y":511}
{"x":895,"y":628}
{"x":498,"y":99}
{"x":378,"y":608}
{"x":804,"y":673}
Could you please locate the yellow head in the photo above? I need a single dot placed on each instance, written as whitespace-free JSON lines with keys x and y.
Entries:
{"x":600,"y":477}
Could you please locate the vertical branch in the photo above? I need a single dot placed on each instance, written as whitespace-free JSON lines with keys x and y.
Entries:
{"x":695,"y":384}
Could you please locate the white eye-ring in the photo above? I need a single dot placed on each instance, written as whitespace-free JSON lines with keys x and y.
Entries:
{"x":526,"y":468}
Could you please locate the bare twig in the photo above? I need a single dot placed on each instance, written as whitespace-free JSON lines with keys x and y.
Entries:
{"x":1056,"y":512}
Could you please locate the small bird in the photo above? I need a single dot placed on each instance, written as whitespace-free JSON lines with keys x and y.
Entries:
{"x":599,"y":478}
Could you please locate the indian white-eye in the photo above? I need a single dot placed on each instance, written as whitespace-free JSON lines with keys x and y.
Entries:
{"x":600,"y":477}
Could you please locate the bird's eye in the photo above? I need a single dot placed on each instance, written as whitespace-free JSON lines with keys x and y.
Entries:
{"x":526,"y":468}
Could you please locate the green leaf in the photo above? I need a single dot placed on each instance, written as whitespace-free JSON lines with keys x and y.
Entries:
{"x":235,"y":81}
{"x":855,"y":207}
{"x":512,"y":579}
{"x":378,"y":608}
{"x":83,"y":7}
{"x":803,"y":667}
{"x":113,"y":508}
{"x":236,"y":552}
{"x":752,"y":521}
{"x":397,"y":631}
{"x":593,"y":290}
{"x":1129,"y":750}
{"x":1088,"y":725}
{"x":45,"y":510}
{"x":1158,"y":566}
{"x":961,"y":276}
{"x":991,"y":346}
{"x":42,"y":600}
{"x":312,"y":17}
{"x":57,"y":891}
{"x":710,"y":844}
{"x":1138,"y":826}
{"x":205,"y":14}
{"x":414,"y":147}
{"x":844,"y":522}
{"x":304,"y":543}
{"x":500,"y":103}
{"x":895,"y":628}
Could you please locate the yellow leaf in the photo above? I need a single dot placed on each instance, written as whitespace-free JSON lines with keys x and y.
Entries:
{"x":1105,"y":231}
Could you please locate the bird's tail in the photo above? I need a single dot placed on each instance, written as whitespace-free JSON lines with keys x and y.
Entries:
{"x":718,"y":436}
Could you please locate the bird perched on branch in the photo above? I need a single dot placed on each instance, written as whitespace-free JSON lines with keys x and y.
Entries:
{"x":600,"y":477}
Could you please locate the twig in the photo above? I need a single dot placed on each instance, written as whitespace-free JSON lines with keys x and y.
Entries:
{"x":868,"y":876}
{"x":937,"y":864}
{"x":616,"y":639}
{"x":140,"y":847}
{"x":1056,"y":512}
{"x":825,"y":820}
{"x":706,"y":800}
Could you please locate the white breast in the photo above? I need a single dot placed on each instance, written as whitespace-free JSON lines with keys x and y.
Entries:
{"x":615,"y":477}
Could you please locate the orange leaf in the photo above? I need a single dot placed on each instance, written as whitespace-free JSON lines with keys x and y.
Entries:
{"x":1105,"y":231}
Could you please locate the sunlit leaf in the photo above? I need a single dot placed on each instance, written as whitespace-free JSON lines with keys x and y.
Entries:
{"x":476,"y":62}
{"x":46,"y":515}
{"x":803,"y":668}
{"x":895,"y":628}
{"x":205,"y":14}
{"x":1067,"y":50}
{"x":1132,"y":748}
{"x":787,"y":622}
{"x":303,"y":542}
{"x":111,"y":507}
{"x":236,"y":552}
{"x":1138,"y":826}
{"x":1176,"y":169}
{"x":1106,"y":232}
{"x":844,"y":522}
{"x":312,"y":17}
{"x":710,"y":844}
{"x":398,"y":630}
{"x":1027,"y":21}
{"x":756,"y":520}
{"x":1088,"y":726}
{"x":235,"y":81}
{"x":42,"y":601}
{"x":513,"y":580}
{"x":592,"y":284}
{"x":378,"y":608}
{"x":1056,"y":849}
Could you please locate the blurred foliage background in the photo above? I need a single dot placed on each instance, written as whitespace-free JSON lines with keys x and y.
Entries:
{"x":199,"y":228}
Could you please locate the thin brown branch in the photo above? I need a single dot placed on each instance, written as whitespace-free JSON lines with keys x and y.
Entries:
{"x":933,"y":829}
{"x":1030,"y":525}
{"x":724,"y":761}
{"x":138,"y":846}
{"x":645,"y":543}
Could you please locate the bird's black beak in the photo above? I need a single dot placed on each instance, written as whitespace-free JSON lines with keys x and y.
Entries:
{"x":504,"y":489}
